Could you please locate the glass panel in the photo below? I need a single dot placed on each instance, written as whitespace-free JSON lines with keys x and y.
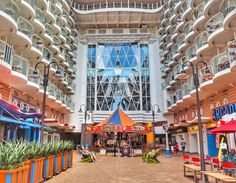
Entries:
{"x":118,"y":76}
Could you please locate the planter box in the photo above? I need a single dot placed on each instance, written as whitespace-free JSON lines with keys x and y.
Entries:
{"x":57,"y":164}
{"x":48,"y":167}
{"x":36,"y":174}
{"x":19,"y":175}
{"x":70,"y":158}
{"x":64,"y":160}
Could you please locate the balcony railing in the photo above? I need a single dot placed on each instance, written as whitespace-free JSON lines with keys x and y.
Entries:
{"x":220,"y":62}
{"x":198,"y":11}
{"x":51,"y":8}
{"x":201,"y":39}
{"x":215,"y":23}
{"x":176,"y":70}
{"x":31,"y":77}
{"x":130,"y":5}
{"x":37,"y":42}
{"x":47,"y":54}
{"x":10,"y":9}
{"x":232,"y":51}
{"x":49,"y":30}
{"x":6,"y":52}
{"x":59,"y":94}
{"x":186,"y":90}
{"x":188,"y":27}
{"x":179,"y":95}
{"x":25,"y":27}
{"x":51,"y":90}
{"x":40,"y":16}
{"x":229,"y":6}
{"x":20,"y":65}
{"x":191,"y":52}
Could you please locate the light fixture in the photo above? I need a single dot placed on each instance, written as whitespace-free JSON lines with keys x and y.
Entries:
{"x":35,"y":74}
{"x":207,"y":74}
{"x":58,"y":74}
{"x":182,"y":75}
{"x":158,"y":110}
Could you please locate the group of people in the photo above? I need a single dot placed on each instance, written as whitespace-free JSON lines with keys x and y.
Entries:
{"x":174,"y":148}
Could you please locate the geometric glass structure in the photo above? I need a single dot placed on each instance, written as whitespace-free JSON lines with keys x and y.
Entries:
{"x":118,"y":73}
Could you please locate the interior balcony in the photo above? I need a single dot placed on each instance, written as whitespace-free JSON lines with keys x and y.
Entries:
{"x":19,"y":74}
{"x":47,"y":55}
{"x":216,"y":29}
{"x":59,"y":7}
{"x":198,"y":17}
{"x":51,"y":89}
{"x":24,"y":34}
{"x":177,"y":6}
{"x":8,"y":17}
{"x":189,"y":33}
{"x":40,"y":21}
{"x":73,"y":74}
{"x":56,"y":45}
{"x":191,"y":53}
{"x":65,"y":6}
{"x":48,"y":35}
{"x":37,"y":47}
{"x":51,"y":13}
{"x":33,"y":82}
{"x":57,"y":26}
{"x":229,"y":11}
{"x":6,"y":57}
{"x":211,"y":6}
{"x":231,"y":48}
{"x":27,"y":8}
{"x":203,"y":49}
{"x":187,"y":9}
{"x":63,"y":35}
{"x":221,"y":69}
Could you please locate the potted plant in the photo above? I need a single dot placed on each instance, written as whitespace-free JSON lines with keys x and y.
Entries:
{"x":12,"y":168}
{"x":57,"y":158}
{"x":35,"y":152}
{"x":48,"y":161}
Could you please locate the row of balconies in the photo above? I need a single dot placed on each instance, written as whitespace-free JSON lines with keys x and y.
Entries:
{"x":135,"y":5}
{"x":213,"y":24}
{"x":23,"y":67}
{"x":222,"y":65}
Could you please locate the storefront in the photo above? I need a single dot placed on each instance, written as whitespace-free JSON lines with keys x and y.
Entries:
{"x":177,"y":135}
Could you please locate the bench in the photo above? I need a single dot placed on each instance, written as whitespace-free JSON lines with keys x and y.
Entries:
{"x":195,"y":169}
{"x":217,"y":176}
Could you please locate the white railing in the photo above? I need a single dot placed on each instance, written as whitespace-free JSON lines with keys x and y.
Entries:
{"x":130,"y":5}
{"x":20,"y":65}
{"x":220,"y":62}
{"x":6,"y":52}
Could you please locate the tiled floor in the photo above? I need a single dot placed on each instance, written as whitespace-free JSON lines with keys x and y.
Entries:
{"x":123,"y":170}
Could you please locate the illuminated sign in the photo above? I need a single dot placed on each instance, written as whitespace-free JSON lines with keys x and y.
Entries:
{"x":137,"y":128}
{"x":218,"y":113}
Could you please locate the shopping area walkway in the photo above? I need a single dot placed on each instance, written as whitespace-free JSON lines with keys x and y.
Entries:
{"x":124,"y":170}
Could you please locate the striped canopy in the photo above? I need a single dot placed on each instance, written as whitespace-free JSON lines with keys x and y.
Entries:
{"x":118,"y":121}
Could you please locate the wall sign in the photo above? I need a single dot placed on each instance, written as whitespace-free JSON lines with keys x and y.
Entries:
{"x":25,"y":107}
{"x":218,"y":113}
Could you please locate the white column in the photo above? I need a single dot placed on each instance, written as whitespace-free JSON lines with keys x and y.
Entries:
{"x":81,"y":82}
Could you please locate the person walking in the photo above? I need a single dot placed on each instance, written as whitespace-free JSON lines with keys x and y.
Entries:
{"x":183,"y":144}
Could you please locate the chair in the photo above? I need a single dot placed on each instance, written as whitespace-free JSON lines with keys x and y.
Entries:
{"x":215,"y":163}
{"x":228,"y":168}
{"x":186,"y":159}
{"x":196,"y":161}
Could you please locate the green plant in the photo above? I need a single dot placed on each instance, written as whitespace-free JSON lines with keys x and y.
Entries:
{"x":13,"y":154}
